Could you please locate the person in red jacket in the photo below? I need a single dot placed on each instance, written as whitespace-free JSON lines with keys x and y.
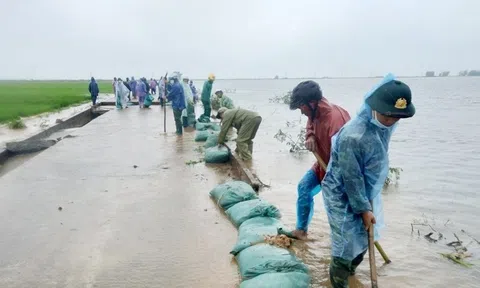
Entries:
{"x":324,"y":121}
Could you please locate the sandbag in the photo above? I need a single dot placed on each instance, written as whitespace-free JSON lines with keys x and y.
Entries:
{"x":278,"y":280}
{"x":215,"y":127}
{"x":217,"y":154}
{"x":148,"y":100}
{"x":230,"y":193}
{"x":243,"y":211}
{"x":205,"y":126}
{"x":264,"y":258}
{"x":203,"y":135}
{"x":253,"y":231}
{"x":212,"y":141}
{"x":200,"y":126}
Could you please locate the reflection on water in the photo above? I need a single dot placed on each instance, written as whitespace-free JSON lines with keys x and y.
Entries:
{"x":438,"y":151}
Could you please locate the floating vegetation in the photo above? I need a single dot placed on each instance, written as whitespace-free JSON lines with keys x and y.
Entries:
{"x":393,"y":175}
{"x":435,"y":236}
{"x":283,"y":99}
{"x":199,"y":149}
{"x":296,"y":144}
{"x":193,"y":162}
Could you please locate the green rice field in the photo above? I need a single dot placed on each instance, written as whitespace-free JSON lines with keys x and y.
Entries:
{"x":28,"y":98}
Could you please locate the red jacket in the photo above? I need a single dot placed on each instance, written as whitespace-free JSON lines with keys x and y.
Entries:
{"x":328,"y":120}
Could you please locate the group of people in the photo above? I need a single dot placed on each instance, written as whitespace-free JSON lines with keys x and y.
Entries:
{"x":356,"y":154}
{"x":353,"y":154}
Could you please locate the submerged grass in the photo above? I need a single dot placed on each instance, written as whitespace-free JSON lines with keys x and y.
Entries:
{"x":16,"y":124}
{"x":28,"y":98}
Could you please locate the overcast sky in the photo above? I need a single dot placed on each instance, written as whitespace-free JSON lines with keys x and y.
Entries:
{"x":65,"y":39}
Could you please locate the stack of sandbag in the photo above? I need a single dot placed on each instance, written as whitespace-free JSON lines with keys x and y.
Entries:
{"x":204,"y":130}
{"x":206,"y":126}
{"x":261,"y":265}
{"x":209,"y":132}
{"x":201,"y":136}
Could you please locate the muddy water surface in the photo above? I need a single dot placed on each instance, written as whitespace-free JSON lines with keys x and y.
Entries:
{"x":438,"y":151}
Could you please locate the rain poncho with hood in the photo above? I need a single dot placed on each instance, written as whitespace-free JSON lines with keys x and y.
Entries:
{"x":141,"y":92}
{"x":121,"y":95}
{"x":355,"y":176}
{"x":188,"y":114}
{"x":133,"y":85}
{"x":93,"y":89}
{"x":177,"y":96}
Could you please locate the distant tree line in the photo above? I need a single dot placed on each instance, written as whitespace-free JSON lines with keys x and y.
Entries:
{"x":447,"y":73}
{"x":469,"y":73}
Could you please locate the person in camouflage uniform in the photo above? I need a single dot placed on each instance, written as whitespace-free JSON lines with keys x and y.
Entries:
{"x":246,"y":122}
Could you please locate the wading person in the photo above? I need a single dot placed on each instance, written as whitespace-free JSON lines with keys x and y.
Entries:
{"x":246,"y":122}
{"x":153,"y":86}
{"x":357,"y":172}
{"x":121,"y":94}
{"x":93,"y":89}
{"x":206,"y":94}
{"x":141,"y":92}
{"x":133,"y":85}
{"x":177,"y":97}
{"x":223,"y":100}
{"x":188,"y":115}
{"x":194,"y":91}
{"x":127,"y":84}
{"x":324,"y":121}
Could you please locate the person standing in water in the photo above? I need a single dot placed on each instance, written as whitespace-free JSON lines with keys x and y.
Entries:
{"x":356,"y":174}
{"x":324,"y":120}
{"x":121,"y":94}
{"x":153,"y":86}
{"x":194,"y":91}
{"x":127,"y":84}
{"x":206,"y":93}
{"x":141,"y":91}
{"x":133,"y":85}
{"x":188,"y":115}
{"x":94,"y":91}
{"x":246,"y":122}
{"x":177,"y":97}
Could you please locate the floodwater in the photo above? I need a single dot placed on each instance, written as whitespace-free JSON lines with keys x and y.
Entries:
{"x":439,"y":152}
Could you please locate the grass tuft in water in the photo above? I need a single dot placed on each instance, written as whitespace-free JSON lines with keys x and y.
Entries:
{"x":16,"y":124}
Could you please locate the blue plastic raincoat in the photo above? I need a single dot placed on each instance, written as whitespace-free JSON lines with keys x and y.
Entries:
{"x":176,"y":96}
{"x":355,"y":176}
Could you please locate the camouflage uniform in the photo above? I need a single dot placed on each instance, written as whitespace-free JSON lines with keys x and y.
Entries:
{"x":246,"y":122}
{"x":340,"y":269}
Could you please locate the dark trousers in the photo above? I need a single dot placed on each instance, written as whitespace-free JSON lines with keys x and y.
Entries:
{"x":177,"y":115}
{"x":94,"y":99}
{"x":340,"y":269}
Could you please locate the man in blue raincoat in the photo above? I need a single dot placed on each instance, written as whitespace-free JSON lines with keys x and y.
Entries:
{"x":356,"y":173}
{"x":93,"y":89}
{"x":177,"y":97}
